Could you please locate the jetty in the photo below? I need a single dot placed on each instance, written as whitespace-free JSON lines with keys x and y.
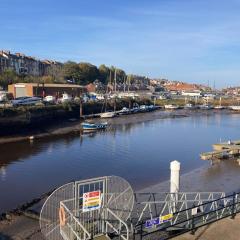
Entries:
{"x":225,"y":150}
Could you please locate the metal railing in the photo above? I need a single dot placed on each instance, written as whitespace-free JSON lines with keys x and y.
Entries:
{"x":189,"y":219}
{"x":118,"y":226}
{"x":72,"y":228}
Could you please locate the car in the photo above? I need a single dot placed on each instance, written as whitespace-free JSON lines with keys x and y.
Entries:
{"x":49,"y":99}
{"x":65,"y":98}
{"x":5,"y":96}
{"x":26,"y":101}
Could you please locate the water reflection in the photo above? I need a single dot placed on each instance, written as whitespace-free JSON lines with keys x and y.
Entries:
{"x":139,"y":152}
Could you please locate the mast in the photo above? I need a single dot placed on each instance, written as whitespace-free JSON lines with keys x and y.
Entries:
{"x":115,"y":81}
{"x":110,"y":78}
{"x":125,"y":82}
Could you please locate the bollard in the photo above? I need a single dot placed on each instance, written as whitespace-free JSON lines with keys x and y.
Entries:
{"x":174,"y":183}
{"x":175,"y":176}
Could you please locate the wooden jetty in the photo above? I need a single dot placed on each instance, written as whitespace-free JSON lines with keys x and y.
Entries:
{"x":230,"y":149}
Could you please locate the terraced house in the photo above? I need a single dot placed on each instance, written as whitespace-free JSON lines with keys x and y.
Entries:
{"x":27,"y":65}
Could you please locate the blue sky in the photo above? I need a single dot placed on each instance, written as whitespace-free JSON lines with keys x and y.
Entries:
{"x":186,"y":40}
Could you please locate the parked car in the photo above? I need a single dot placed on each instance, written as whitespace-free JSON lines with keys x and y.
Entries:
{"x":5,"y":96}
{"x":26,"y":101}
{"x":65,"y":98}
{"x":49,"y":99}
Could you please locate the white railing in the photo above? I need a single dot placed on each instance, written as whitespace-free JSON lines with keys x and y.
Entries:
{"x":117,"y":225}
{"x":72,"y":228}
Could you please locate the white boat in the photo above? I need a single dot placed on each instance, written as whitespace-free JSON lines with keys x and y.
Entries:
{"x":124,"y":111}
{"x":171,"y":106}
{"x":206,"y":107}
{"x":143,"y":108}
{"x":235,"y":108}
{"x":108,"y":115}
{"x":190,"y":106}
{"x":219,"y":107}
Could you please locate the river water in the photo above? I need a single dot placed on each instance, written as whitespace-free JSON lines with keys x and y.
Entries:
{"x":137,"y":148}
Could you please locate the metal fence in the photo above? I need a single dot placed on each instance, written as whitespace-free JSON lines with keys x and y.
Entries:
{"x":189,"y":219}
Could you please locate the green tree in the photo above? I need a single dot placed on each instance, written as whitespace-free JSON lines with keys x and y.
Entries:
{"x":89,"y":73}
{"x":71,"y":71}
{"x":104,"y":73}
{"x":8,"y":76}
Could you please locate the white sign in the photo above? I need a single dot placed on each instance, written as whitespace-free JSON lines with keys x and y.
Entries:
{"x":91,"y":201}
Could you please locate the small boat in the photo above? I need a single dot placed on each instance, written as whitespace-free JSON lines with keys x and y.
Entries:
{"x":235,"y":108}
{"x":171,"y":106}
{"x":93,"y":126}
{"x":190,"y":106}
{"x":108,"y":115}
{"x":135,"y":110}
{"x":124,"y":111}
{"x":143,"y":108}
{"x":206,"y":107}
{"x":219,"y":107}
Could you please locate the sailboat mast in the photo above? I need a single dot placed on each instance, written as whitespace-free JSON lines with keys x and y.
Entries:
{"x":115,"y":80}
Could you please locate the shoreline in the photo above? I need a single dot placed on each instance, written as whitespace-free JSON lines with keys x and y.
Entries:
{"x":73,"y":125}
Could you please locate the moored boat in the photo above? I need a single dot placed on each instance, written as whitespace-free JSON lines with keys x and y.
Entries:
{"x":93,"y":126}
{"x":219,"y":107}
{"x":124,"y":111}
{"x":190,"y":106}
{"x":235,"y":108}
{"x":108,"y":115}
{"x":143,"y":108}
{"x":206,"y":107}
{"x":171,"y":106}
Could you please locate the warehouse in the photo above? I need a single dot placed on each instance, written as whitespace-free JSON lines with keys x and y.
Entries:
{"x":42,"y":90}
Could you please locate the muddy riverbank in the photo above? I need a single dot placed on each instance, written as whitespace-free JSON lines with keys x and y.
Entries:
{"x":73,"y":125}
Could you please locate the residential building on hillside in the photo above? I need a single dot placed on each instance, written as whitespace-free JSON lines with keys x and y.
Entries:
{"x":27,"y":65}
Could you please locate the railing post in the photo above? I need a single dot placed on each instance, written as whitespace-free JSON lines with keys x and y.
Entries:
{"x":233,"y":206}
{"x":120,"y":231}
{"x":141,"y":230}
{"x":193,"y":225}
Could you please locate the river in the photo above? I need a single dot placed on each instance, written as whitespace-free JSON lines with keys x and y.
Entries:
{"x":139,"y":151}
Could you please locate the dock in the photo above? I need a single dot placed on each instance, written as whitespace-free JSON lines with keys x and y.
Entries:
{"x":225,"y":150}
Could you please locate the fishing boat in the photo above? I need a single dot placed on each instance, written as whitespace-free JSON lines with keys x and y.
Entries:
{"x":93,"y":126}
{"x":108,"y":115}
{"x":171,"y":106}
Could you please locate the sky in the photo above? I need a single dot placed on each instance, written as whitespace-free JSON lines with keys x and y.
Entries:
{"x":186,"y":40}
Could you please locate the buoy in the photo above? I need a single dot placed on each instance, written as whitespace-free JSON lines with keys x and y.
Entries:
{"x":62,"y":216}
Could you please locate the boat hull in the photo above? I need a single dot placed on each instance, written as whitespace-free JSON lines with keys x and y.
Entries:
{"x":108,"y":115}
{"x":93,"y":126}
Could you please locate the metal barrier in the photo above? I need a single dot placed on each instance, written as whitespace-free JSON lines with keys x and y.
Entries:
{"x":188,"y":219}
{"x":71,"y":228}
{"x":86,"y":209}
